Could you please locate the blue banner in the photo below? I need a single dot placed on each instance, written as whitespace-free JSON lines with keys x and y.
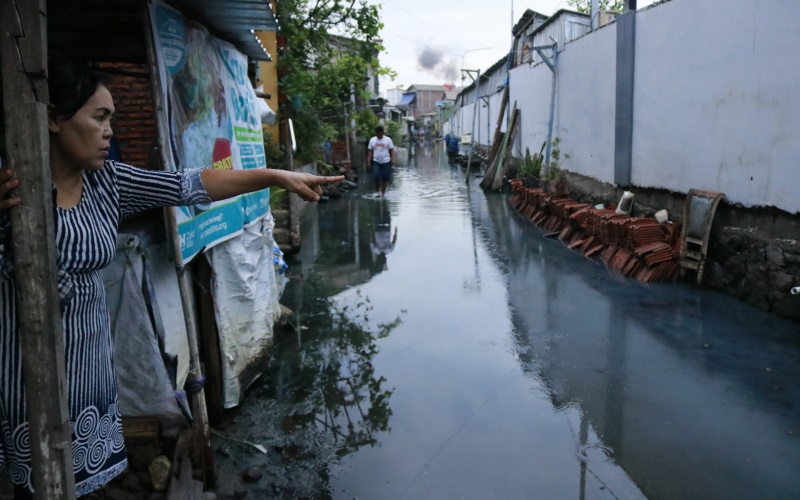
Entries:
{"x":213,"y":123}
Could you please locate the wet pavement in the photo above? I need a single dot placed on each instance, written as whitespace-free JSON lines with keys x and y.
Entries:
{"x":467,"y":356}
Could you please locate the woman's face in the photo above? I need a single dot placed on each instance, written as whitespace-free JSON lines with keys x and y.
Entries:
{"x":83,"y":140}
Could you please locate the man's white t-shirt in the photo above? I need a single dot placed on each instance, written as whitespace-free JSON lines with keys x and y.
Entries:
{"x":383,"y":243}
{"x":380,"y":149}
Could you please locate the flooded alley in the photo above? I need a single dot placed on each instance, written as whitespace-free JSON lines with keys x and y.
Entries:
{"x":442,"y":348}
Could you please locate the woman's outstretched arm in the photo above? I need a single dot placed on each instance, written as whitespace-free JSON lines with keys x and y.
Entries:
{"x":222,"y":184}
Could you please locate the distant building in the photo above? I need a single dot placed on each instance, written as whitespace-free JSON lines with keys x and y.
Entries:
{"x":420,"y":100}
{"x":393,"y":96}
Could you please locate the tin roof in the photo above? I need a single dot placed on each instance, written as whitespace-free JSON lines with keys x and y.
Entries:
{"x":105,"y":30}
{"x":425,"y":87}
{"x":234,"y":21}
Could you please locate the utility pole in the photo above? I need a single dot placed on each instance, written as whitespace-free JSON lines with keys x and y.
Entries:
{"x":23,"y":65}
{"x":477,"y":82}
{"x":463,"y":77}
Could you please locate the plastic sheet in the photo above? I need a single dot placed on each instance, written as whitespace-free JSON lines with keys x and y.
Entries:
{"x":246,"y":292}
{"x":145,"y":373}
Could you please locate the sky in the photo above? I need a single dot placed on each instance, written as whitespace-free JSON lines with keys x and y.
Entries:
{"x":429,"y":41}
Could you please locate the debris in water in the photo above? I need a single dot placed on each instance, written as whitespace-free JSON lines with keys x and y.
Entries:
{"x":254,"y":445}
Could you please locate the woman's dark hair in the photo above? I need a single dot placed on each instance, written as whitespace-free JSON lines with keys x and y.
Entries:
{"x":71,"y":84}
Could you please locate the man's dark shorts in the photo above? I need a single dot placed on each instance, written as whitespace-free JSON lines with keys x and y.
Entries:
{"x":382,"y":171}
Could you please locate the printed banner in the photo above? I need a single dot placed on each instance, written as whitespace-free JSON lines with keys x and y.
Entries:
{"x":211,"y":111}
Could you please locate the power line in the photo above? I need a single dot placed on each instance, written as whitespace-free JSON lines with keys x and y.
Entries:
{"x":421,"y":44}
{"x":472,"y":42}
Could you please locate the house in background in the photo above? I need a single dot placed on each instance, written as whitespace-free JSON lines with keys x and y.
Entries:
{"x":393,"y":96}
{"x":446,"y":109}
{"x":421,"y":99}
{"x":268,"y":76}
{"x":527,"y":24}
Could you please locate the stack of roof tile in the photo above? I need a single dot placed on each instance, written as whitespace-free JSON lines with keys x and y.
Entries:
{"x":638,"y":247}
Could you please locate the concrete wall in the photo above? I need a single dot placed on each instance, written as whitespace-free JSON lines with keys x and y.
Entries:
{"x":486,"y":120}
{"x":585,"y":104}
{"x":715,"y":106}
{"x":715,"y":101}
{"x":530,"y":90}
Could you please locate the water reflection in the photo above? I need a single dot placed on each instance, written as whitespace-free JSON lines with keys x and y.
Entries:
{"x":383,"y":239}
{"x":691,"y":392}
{"x":321,"y":398}
{"x":521,"y":369}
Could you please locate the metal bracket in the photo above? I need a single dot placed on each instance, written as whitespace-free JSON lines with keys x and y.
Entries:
{"x":540,"y":48}
{"x":470,"y":72}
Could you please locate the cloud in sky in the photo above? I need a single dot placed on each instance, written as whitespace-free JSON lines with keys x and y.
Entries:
{"x":428,"y":42}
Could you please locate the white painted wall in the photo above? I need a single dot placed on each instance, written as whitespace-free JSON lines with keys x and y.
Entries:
{"x":530,"y":90}
{"x":585,"y":104}
{"x":716,"y":101}
{"x":489,"y":119}
{"x":486,"y":120}
{"x":464,"y":120}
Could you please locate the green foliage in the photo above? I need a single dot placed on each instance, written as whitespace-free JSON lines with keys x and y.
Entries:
{"x":322,"y":397}
{"x":366,"y":121}
{"x":274,"y":153}
{"x":394,"y":131}
{"x":278,"y":198}
{"x":554,"y":171}
{"x":532,"y":164}
{"x":585,"y":6}
{"x":326,"y":168}
{"x":318,"y":70}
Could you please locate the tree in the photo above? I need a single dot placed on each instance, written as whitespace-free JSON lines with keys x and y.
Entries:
{"x":585,"y":6}
{"x":326,"y":52}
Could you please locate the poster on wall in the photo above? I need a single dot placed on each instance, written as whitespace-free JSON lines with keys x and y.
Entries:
{"x":213,"y":123}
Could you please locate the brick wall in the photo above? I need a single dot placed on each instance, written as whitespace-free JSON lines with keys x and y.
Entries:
{"x":134,"y":122}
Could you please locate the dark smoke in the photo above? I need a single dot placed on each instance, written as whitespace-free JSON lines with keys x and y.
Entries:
{"x":432,"y":61}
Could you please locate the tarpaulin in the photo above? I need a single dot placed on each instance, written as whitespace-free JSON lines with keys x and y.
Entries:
{"x":148,"y":355}
{"x":246,"y":287}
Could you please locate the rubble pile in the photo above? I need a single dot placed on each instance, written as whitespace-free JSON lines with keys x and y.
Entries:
{"x":638,"y":247}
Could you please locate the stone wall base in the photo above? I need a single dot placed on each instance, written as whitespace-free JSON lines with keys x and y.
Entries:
{"x":754,"y":253}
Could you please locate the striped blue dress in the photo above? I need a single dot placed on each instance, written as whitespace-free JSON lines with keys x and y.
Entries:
{"x":86,"y":242}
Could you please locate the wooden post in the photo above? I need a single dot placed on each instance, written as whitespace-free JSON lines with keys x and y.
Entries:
{"x":23,"y":63}
{"x":554,"y":69}
{"x":475,"y":109}
{"x":201,"y":431}
{"x":295,"y":202}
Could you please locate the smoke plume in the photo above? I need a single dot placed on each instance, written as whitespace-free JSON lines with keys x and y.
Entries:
{"x":432,"y":60}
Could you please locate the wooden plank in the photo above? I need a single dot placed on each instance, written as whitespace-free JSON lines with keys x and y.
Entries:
{"x":140,"y":429}
{"x":23,"y":56}
{"x":201,"y":431}
{"x":490,"y":180}
{"x":498,"y":134}
{"x":503,"y":165}
{"x":182,"y":485}
{"x":209,"y":339}
{"x":508,"y":142}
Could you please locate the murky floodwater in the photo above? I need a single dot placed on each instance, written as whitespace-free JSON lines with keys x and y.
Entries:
{"x":476,"y":359}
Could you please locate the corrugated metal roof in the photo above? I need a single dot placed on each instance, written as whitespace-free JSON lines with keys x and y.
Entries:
{"x":425,"y":87}
{"x":105,"y":30}
{"x":563,"y":27}
{"x":234,"y":21}
{"x":525,"y":19}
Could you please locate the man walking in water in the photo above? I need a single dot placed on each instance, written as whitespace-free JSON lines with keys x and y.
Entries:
{"x":381,"y":158}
